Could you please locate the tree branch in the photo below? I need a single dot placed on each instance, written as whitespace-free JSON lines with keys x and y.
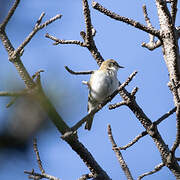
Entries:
{"x":144,"y":133}
{"x":78,"y":73}
{"x":36,"y":28}
{"x":10,"y":14}
{"x":126,"y":20}
{"x":173,"y":10}
{"x":151,"y":45}
{"x":156,"y":169}
{"x":36,"y":176}
{"x":119,"y":155}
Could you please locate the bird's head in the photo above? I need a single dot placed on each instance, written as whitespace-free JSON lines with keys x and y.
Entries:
{"x":110,"y":64}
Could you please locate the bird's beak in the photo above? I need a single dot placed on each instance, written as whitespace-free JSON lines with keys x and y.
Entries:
{"x":120,"y":66}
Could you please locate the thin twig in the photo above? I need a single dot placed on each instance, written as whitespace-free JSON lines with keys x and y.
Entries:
{"x":38,"y":156}
{"x":101,"y":105}
{"x":59,"y":41}
{"x":144,"y":133}
{"x":78,"y":73}
{"x":37,"y":176}
{"x":116,"y":105}
{"x":119,"y":155}
{"x":166,"y":115}
{"x":177,"y":141}
{"x":129,"y":21}
{"x":13,"y":100}
{"x":87,"y":18}
{"x":15,"y":94}
{"x":86,"y":176}
{"x":156,"y":169}
{"x":10,"y":14}
{"x":132,"y":96}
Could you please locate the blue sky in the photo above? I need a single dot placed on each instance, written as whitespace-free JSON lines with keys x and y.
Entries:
{"x":114,"y":40}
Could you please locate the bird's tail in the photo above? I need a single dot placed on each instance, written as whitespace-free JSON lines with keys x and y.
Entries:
{"x":89,"y":122}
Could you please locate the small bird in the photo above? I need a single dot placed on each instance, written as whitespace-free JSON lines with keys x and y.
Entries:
{"x":103,"y":82}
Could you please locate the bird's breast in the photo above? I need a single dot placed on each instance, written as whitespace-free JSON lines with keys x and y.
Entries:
{"x":103,"y":84}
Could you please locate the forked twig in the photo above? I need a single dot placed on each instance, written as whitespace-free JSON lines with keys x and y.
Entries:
{"x":34,"y":175}
{"x":151,"y":45}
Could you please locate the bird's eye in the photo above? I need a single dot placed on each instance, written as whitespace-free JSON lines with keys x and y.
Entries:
{"x":111,"y":64}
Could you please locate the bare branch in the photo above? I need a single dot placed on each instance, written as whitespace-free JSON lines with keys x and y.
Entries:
{"x":119,"y":155}
{"x":144,"y":133}
{"x":32,"y":174}
{"x":37,"y":176}
{"x":87,"y":18}
{"x":156,"y":169}
{"x":86,"y":176}
{"x":101,"y":105}
{"x":173,"y":10}
{"x":87,"y":37}
{"x":38,"y":156}
{"x":151,"y":45}
{"x":166,"y":115}
{"x":37,"y":27}
{"x":124,"y":102}
{"x":20,"y":93}
{"x":116,"y":105}
{"x":10,"y":14}
{"x":59,"y":41}
{"x":78,"y":73}
{"x":126,"y":20}
{"x":40,"y":19}
{"x":13,"y":100}
{"x":177,"y":141}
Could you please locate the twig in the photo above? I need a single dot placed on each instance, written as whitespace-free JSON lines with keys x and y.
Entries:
{"x":86,"y":176}
{"x":151,"y":45}
{"x":87,"y":18}
{"x":132,"y":96}
{"x":116,"y":105}
{"x":119,"y":155}
{"x":166,"y":115}
{"x":144,"y":133}
{"x":37,"y":176}
{"x":13,"y":100}
{"x":101,"y":105}
{"x":156,"y":169}
{"x":87,"y":37}
{"x":10,"y":13}
{"x":129,"y":21}
{"x":34,"y":175}
{"x":78,"y":73}
{"x":177,"y":141}
{"x":37,"y":156}
{"x":59,"y":41}
{"x":15,"y":94}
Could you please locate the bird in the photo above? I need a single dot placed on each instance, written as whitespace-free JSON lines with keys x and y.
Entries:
{"x":103,"y":82}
